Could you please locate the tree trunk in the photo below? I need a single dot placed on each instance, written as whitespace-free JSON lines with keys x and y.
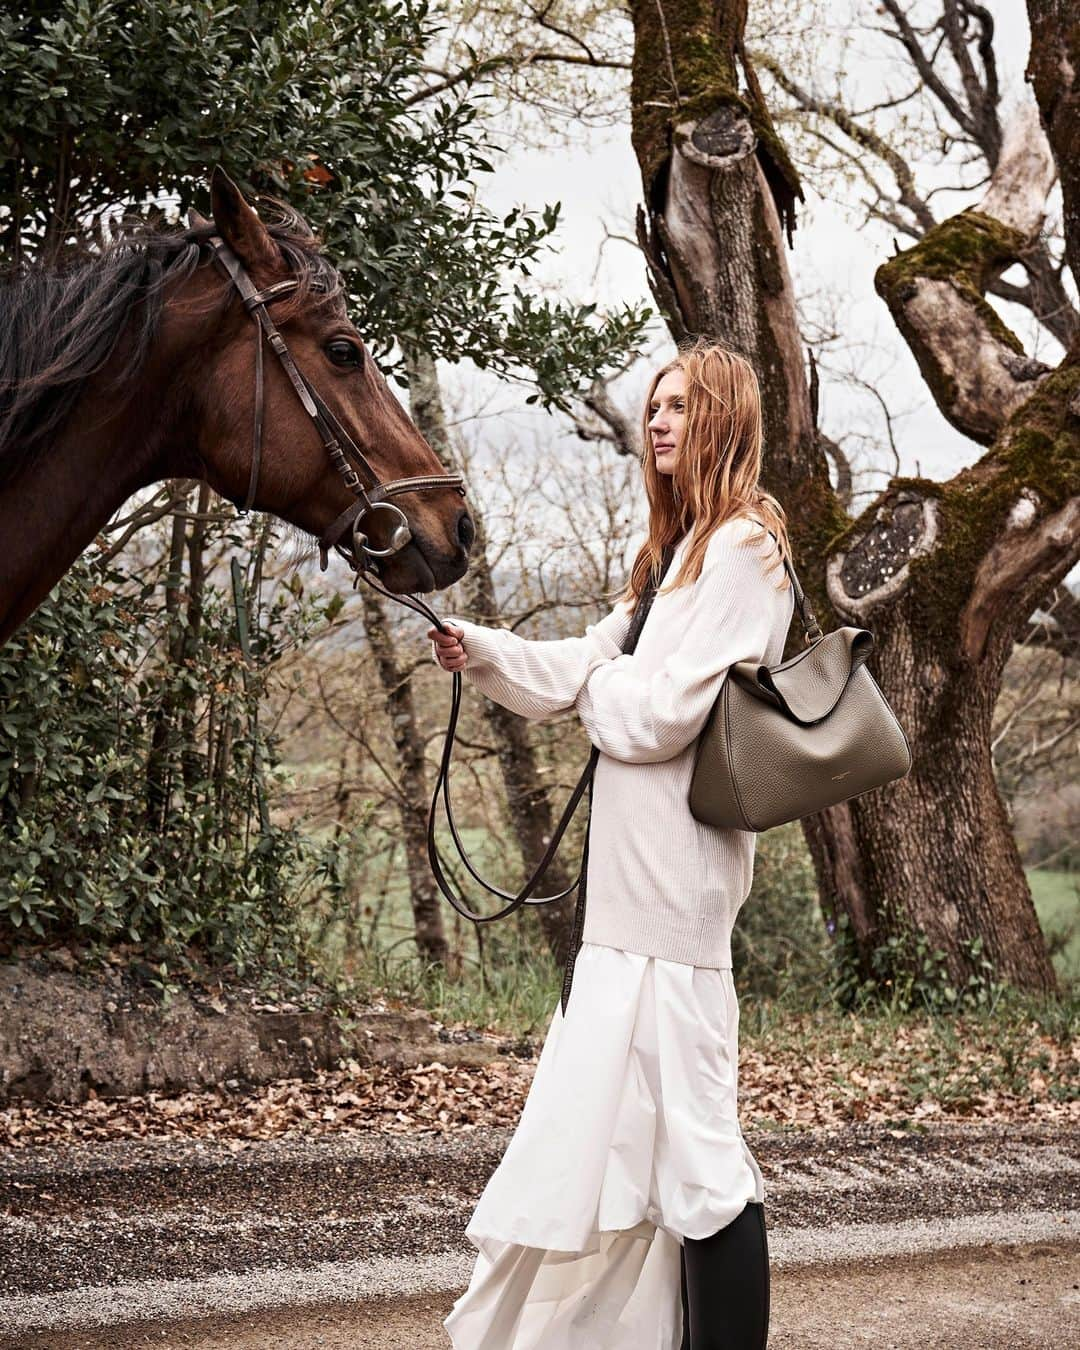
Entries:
{"x":159,"y":763}
{"x":944,"y":574}
{"x":193,"y":767}
{"x":413,"y":798}
{"x":1054,"y":72}
{"x":532,"y":820}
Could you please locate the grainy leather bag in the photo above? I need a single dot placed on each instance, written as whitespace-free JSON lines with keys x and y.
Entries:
{"x":787,"y":740}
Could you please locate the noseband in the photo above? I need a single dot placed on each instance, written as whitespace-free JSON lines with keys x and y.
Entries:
{"x":338,"y":444}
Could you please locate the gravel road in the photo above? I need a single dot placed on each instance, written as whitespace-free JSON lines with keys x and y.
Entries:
{"x":1007,"y":1298}
{"x":877,"y":1237}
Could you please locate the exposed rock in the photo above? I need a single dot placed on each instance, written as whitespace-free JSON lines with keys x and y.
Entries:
{"x":64,"y":1035}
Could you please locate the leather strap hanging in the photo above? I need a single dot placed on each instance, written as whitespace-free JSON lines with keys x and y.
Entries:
{"x":578,"y":927}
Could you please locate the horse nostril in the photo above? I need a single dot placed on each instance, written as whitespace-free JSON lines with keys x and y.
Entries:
{"x":466,"y":529}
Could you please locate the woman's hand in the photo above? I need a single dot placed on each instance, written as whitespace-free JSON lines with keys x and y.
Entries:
{"x":449,"y":651}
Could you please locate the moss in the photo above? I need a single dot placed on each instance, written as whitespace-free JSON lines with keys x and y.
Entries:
{"x":968,"y":244}
{"x":1039,"y":449}
{"x":967,"y":250}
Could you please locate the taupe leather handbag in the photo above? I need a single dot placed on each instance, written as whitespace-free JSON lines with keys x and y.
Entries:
{"x":787,"y":740}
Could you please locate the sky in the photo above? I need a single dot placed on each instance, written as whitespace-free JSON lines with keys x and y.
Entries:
{"x":597,"y":180}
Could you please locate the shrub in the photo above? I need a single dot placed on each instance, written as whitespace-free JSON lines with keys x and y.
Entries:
{"x":133,"y":788}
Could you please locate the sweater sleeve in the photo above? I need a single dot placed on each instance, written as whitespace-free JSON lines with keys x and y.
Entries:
{"x":728,"y":616}
{"x":532,"y":677}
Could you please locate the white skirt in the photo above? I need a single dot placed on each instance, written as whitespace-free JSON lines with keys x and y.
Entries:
{"x":628,"y":1142}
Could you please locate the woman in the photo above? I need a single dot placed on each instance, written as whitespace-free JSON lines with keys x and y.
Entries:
{"x":628,"y":1211}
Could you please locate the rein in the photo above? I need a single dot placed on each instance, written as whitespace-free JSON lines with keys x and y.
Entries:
{"x":361,"y":558}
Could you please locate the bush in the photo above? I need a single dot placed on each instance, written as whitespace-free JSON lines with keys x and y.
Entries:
{"x":780,"y":947}
{"x":133,"y":801}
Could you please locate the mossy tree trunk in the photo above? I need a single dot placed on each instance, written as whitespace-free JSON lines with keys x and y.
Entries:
{"x":532,"y":820}
{"x":1054,"y":73}
{"x":944,"y":574}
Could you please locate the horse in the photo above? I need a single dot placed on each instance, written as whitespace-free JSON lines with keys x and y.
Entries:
{"x":140,"y":362}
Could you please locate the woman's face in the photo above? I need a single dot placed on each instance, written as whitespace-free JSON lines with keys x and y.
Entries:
{"x":667,"y":418}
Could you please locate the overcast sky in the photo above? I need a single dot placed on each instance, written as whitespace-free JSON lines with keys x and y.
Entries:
{"x":596,"y":178}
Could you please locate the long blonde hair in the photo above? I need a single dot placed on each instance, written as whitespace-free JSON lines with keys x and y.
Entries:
{"x":717,"y":469}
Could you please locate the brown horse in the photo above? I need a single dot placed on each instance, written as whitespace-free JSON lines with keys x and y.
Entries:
{"x":137,"y":364}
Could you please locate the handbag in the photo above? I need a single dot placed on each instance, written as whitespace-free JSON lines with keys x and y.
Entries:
{"x":784,"y":741}
{"x":780,"y":743}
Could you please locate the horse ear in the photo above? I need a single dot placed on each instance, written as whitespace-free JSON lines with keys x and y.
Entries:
{"x":238,"y":225}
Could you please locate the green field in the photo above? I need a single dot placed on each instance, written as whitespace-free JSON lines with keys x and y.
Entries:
{"x":510,"y":978}
{"x":1057,"y":903}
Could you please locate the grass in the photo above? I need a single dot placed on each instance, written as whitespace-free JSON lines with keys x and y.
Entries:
{"x":805,"y":1065}
{"x":1015,"y":1060}
{"x":797,"y":1071}
{"x":779,"y":939}
{"x":806,"y":1059}
{"x":501,"y":976}
{"x":1057,"y":903}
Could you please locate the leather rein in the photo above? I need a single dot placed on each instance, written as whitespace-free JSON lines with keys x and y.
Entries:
{"x":363,"y":559}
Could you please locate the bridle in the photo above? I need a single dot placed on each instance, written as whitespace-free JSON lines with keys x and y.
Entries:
{"x":338,"y":444}
{"x":362,"y":558}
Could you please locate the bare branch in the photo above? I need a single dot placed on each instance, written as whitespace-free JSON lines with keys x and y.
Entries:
{"x":861,"y":135}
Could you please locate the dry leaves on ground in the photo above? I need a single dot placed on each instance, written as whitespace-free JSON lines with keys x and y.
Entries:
{"x":861,"y":1071}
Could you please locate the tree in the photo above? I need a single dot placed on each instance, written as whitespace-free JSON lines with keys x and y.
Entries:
{"x":328,"y":106}
{"x":945,"y":574}
{"x":133,"y":804}
{"x":325,"y":105}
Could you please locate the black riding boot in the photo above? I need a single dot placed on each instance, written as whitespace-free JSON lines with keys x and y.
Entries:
{"x":725,"y":1286}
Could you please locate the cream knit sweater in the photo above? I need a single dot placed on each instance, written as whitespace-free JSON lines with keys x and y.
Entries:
{"x":659,"y":882}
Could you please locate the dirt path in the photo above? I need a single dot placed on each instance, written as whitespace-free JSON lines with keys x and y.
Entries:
{"x":957,"y":1238}
{"x":1013,"y":1298}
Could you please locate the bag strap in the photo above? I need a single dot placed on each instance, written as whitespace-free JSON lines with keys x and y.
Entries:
{"x":811,"y":627}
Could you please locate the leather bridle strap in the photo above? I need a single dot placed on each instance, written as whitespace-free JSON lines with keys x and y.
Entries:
{"x":337,"y":442}
{"x":255,"y":302}
{"x":256,"y":422}
{"x":442,"y":785}
{"x":251,"y":300}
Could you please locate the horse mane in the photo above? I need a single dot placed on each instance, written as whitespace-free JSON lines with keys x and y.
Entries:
{"x":59,"y":324}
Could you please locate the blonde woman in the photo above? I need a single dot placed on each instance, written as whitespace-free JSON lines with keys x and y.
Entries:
{"x":627,"y":1212}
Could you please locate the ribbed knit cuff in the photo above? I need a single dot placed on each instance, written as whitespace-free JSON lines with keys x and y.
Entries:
{"x":484,"y":669}
{"x":478,"y":641}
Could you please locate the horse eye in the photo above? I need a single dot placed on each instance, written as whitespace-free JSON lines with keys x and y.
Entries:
{"x":343,"y":353}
